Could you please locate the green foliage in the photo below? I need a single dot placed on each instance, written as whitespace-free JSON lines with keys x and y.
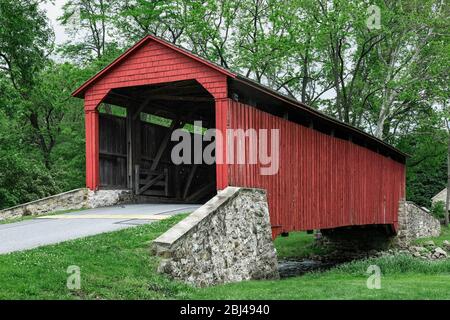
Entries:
{"x":46,"y":157}
{"x":22,"y":178}
{"x":25,"y":38}
{"x":427,"y":166}
{"x":297,"y":245}
{"x":438,"y":209}
{"x":22,"y":181}
{"x":390,"y":81}
{"x":112,"y":110}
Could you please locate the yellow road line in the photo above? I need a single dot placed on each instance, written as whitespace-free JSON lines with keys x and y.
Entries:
{"x":108,"y":216}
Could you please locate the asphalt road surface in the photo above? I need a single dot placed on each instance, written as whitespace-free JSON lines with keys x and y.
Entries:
{"x":58,"y":228}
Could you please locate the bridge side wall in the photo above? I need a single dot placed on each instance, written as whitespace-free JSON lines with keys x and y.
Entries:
{"x":226,"y":240}
{"x":82,"y":198}
{"x":415,"y":223}
{"x":323,"y":181}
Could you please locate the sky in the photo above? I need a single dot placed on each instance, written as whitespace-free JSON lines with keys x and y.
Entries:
{"x":54,"y":10}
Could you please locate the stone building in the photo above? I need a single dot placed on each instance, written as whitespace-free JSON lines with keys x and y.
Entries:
{"x":441,"y":196}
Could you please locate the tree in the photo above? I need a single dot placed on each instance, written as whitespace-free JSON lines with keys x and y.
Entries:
{"x":412,"y":33}
{"x":87,"y":20}
{"x":50,"y":101}
{"x":25,"y":42}
{"x":23,"y":176}
{"x":447,"y":202}
{"x":138,"y":18}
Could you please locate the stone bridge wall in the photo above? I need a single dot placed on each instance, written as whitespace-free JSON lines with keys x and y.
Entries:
{"x":414,"y":223}
{"x":228,"y":239}
{"x":82,"y":198}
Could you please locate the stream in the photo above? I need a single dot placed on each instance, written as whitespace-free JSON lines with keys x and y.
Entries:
{"x":292,"y":268}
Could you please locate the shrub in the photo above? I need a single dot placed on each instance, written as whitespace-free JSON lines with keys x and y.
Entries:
{"x":438,"y":210}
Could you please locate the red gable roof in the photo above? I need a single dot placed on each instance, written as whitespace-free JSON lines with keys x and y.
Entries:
{"x":79,"y":93}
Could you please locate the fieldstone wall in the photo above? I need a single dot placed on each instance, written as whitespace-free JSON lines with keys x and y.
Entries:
{"x":106,"y":198}
{"x":71,"y":200}
{"x":414,"y":223}
{"x":228,"y":239}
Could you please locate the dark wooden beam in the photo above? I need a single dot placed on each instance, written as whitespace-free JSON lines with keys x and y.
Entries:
{"x":200,"y":192}
{"x":174,"y":125}
{"x":207,"y":122}
{"x":182,"y":98}
{"x":153,"y":107}
{"x":112,"y":154}
{"x":189,"y":181}
{"x":149,"y":182}
{"x":137,"y":112}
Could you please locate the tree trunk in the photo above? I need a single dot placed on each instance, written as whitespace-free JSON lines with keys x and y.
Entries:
{"x":447,"y":203}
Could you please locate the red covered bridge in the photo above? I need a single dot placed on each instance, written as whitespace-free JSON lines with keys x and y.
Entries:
{"x":330,"y":174}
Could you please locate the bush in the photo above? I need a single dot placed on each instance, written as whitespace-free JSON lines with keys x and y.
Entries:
{"x":23,"y":180}
{"x":438,"y":210}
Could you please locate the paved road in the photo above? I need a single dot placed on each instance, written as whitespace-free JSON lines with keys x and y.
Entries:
{"x":58,"y":228}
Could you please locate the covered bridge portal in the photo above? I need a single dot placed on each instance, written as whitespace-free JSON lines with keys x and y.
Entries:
{"x":330,"y":174}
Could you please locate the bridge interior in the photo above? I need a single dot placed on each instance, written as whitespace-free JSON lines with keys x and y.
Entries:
{"x":135,"y":129}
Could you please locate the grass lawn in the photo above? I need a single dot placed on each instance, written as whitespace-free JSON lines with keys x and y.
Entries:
{"x":297,"y":245}
{"x":118,"y":265}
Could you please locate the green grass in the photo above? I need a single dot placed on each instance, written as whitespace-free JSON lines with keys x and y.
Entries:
{"x":403,"y":277}
{"x":297,"y":245}
{"x":115,"y":265}
{"x":118,"y":265}
{"x":330,"y":285}
{"x":23,"y":218}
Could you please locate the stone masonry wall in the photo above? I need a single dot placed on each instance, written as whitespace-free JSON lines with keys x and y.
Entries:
{"x":415,"y":223}
{"x":228,"y":239}
{"x":71,"y":200}
{"x":441,"y":196}
{"x":356,"y":241}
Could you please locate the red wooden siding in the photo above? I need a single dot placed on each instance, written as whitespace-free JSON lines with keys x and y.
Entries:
{"x":322,"y":182}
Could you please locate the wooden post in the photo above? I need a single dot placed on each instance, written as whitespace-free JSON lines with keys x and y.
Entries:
{"x":136,"y":136}
{"x":136,"y":179}
{"x":222,"y":109}
{"x":133,"y":145}
{"x":130,"y":148}
{"x":92,"y":149}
